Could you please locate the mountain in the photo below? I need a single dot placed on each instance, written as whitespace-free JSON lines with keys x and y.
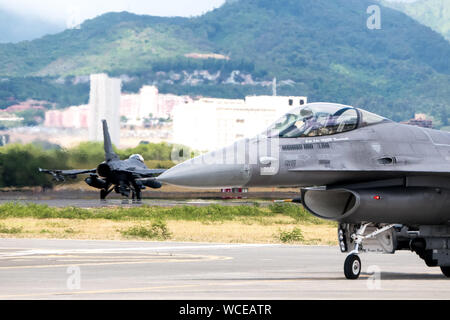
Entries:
{"x":432,"y":13}
{"x":318,"y":48}
{"x":16,"y":28}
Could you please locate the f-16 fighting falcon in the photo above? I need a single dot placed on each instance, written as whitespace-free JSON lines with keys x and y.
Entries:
{"x":386,"y":184}
{"x":121,"y":176}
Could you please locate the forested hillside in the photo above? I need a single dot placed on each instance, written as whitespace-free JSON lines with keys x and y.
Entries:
{"x":318,"y":48}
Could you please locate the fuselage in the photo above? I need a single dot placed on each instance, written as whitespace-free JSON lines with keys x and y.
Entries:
{"x":351,"y":166}
{"x":120,"y":171}
{"x":369,"y":151}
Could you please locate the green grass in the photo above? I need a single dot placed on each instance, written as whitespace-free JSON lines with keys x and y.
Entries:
{"x":4,"y":229}
{"x":296,"y":212}
{"x":213,"y":213}
{"x":294,"y":235}
{"x":157,"y":231}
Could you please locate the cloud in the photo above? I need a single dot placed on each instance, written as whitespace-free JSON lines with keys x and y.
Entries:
{"x":58,"y":11}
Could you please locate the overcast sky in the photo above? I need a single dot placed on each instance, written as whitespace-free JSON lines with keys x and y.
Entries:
{"x":60,"y":11}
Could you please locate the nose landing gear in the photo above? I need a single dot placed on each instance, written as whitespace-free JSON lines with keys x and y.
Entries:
{"x":352,"y":264}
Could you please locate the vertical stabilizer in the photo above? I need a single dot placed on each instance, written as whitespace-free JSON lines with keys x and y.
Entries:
{"x":109,"y":152}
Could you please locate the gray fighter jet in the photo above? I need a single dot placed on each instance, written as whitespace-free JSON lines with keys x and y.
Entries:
{"x":121,"y":176}
{"x":387,"y":184}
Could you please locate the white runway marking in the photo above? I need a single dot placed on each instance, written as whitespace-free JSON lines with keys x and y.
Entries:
{"x":138,"y":249}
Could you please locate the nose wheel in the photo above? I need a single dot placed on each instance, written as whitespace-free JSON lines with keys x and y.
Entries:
{"x":352,"y":266}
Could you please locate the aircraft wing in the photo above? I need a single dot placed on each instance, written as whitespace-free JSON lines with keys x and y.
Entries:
{"x":60,"y":175}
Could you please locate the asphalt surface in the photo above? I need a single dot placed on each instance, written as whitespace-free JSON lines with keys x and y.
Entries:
{"x":71,"y":269}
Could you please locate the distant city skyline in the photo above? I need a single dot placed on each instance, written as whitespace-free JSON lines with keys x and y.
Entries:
{"x":68,"y":11}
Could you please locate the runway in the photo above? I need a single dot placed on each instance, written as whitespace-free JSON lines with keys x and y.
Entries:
{"x":71,"y":269}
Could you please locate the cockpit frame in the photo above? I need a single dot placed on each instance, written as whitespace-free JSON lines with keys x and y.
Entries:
{"x":321,"y":119}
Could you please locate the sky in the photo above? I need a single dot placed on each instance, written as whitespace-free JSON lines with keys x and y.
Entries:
{"x":66,"y":11}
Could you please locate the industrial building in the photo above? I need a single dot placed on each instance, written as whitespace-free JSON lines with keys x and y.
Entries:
{"x":104,"y":102}
{"x":207,"y":124}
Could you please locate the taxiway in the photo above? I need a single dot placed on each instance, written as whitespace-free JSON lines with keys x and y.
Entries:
{"x":73,"y":269}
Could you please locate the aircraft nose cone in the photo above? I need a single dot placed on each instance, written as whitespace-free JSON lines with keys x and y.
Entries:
{"x":204,"y":172}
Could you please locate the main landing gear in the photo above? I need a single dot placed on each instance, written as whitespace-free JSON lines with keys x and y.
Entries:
{"x":430,"y":242}
{"x":136,"y":196}
{"x":136,"y":192}
{"x":104,"y":193}
{"x":352,"y":264}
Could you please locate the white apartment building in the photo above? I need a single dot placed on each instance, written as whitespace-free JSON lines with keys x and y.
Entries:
{"x":208,"y":124}
{"x":149,"y":103}
{"x":104,"y":103}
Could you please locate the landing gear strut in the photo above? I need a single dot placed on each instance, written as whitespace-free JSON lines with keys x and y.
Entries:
{"x":352,"y":264}
{"x":136,"y":194}
{"x":104,"y":193}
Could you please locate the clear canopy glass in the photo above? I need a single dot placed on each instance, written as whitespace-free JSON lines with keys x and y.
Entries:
{"x":369,"y":118}
{"x":313,"y":120}
{"x":137,"y":157}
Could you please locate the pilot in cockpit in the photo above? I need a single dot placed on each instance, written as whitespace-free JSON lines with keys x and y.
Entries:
{"x":137,"y":157}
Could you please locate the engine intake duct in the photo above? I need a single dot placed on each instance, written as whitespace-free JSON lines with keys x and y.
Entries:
{"x":104,"y":170}
{"x":330,"y":204}
{"x":403,"y":205}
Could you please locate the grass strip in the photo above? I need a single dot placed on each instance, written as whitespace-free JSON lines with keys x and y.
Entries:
{"x":213,"y":213}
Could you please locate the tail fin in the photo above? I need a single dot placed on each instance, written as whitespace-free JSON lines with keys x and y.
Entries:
{"x":109,"y":152}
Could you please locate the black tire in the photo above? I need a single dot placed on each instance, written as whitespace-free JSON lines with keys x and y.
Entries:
{"x":103,"y":194}
{"x":352,"y":267}
{"x":446,"y":271}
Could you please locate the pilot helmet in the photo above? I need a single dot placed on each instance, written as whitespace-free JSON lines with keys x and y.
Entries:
{"x":137,"y":157}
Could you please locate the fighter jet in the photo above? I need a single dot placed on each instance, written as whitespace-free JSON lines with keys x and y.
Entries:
{"x":386,"y":184}
{"x":121,"y":176}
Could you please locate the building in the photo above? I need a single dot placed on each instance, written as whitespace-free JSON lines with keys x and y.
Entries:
{"x":137,"y":107}
{"x":104,"y":103}
{"x":53,"y":119}
{"x":149,"y":103}
{"x":167,"y":102}
{"x":207,"y":124}
{"x":130,"y":109}
{"x":420,"y":120}
{"x":76,"y":117}
{"x":146,"y":104}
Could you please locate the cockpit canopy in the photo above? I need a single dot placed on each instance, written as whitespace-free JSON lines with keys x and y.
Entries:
{"x":137,"y":157}
{"x":321,"y":119}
